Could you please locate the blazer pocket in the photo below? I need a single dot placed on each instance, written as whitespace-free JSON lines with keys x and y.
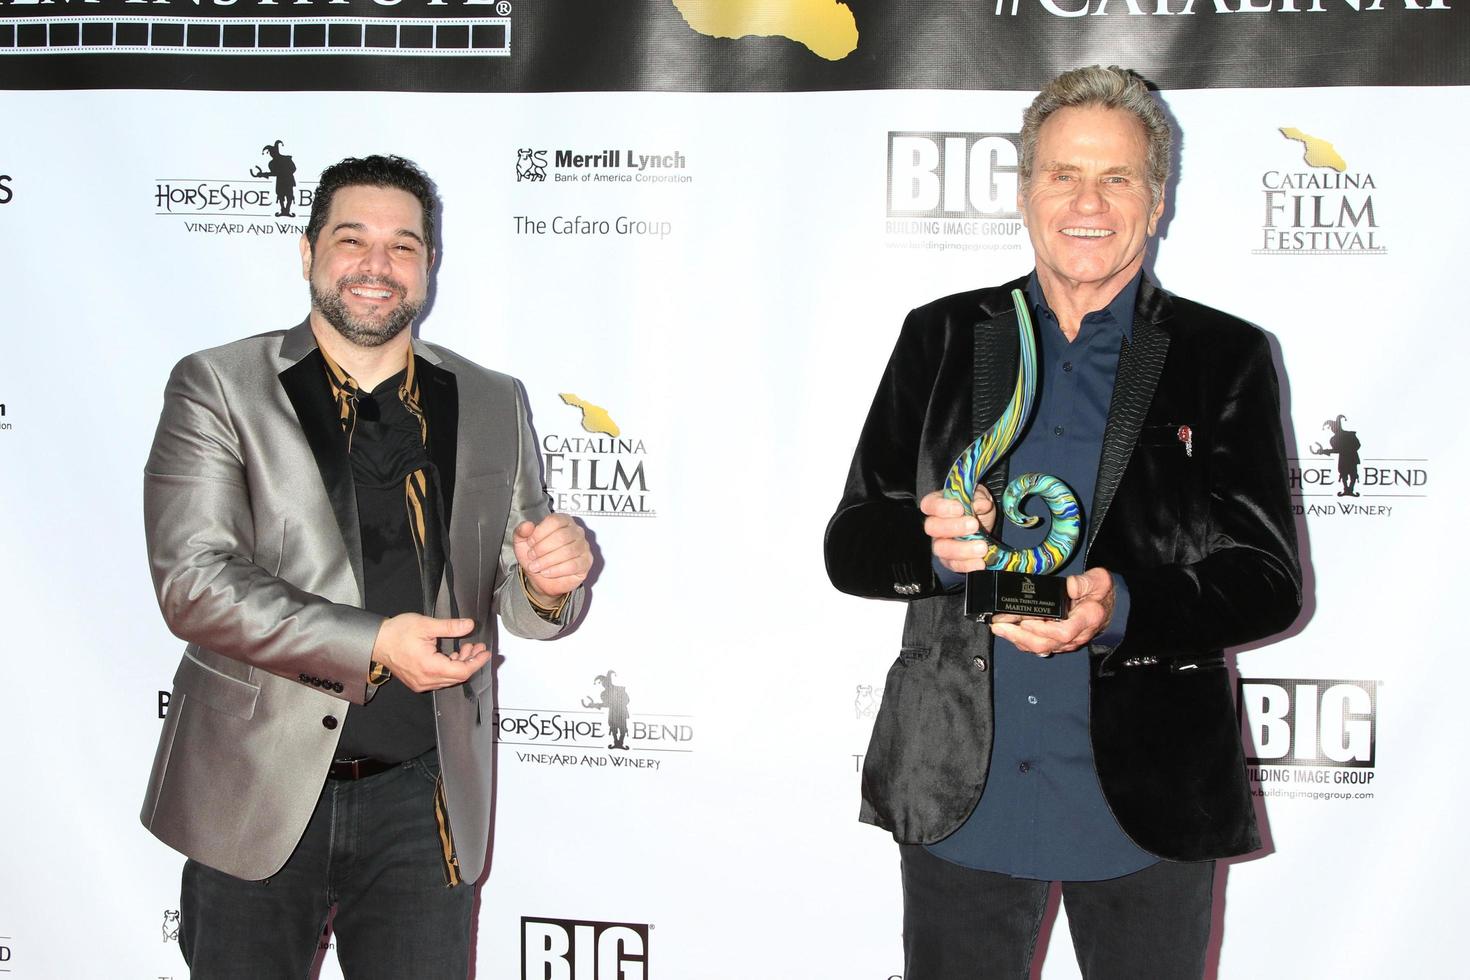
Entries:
{"x":1177,"y":434}
{"x":913,"y":655}
{"x":1196,"y":665}
{"x":493,"y":480}
{"x":196,"y":679}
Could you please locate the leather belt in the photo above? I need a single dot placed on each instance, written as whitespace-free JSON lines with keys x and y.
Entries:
{"x":358,"y":768}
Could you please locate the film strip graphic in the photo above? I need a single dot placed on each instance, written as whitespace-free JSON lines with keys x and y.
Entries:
{"x":433,"y":37}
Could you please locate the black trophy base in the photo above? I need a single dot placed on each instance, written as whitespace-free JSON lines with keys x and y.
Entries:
{"x":1017,"y":593}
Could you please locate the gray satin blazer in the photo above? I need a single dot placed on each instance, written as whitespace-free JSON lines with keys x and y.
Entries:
{"x":253,"y":541}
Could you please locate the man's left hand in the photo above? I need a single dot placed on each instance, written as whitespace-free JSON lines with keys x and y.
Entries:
{"x":1092,"y":609}
{"x":554,"y":554}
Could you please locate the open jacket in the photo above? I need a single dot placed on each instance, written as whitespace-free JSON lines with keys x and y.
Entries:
{"x":1201,"y":531}
{"x":254,"y":545}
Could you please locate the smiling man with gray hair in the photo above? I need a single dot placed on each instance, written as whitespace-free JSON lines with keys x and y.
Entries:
{"x":1099,"y":750}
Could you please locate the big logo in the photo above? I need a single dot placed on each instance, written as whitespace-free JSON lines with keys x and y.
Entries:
{"x":1310,"y":722}
{"x":951,"y":175}
{"x":578,"y":949}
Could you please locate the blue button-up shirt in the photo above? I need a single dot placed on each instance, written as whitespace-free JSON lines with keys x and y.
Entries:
{"x":1042,"y":814}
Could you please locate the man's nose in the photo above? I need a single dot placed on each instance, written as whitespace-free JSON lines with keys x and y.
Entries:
{"x":374,"y":260}
{"x":1089,"y":199}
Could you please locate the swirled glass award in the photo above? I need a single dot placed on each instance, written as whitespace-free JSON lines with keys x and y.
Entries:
{"x":1017,"y":581}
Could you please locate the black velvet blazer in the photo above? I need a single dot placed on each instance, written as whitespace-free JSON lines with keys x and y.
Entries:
{"x":1205,"y":541}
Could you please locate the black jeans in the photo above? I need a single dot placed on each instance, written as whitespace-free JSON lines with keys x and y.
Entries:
{"x":372,"y":849}
{"x":961,"y":923}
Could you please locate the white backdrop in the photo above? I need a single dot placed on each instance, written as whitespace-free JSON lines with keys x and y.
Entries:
{"x":737,"y":356}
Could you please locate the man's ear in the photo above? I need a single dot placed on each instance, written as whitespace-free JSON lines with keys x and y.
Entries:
{"x":305,"y":245}
{"x":1155,"y":215}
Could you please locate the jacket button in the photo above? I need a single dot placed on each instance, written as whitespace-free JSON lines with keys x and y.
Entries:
{"x":980,"y":663}
{"x":329,"y":722}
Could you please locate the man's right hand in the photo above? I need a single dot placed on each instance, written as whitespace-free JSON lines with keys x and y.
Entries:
{"x":408,"y":645}
{"x":945,"y":521}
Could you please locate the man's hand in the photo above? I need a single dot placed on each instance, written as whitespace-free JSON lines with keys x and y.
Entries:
{"x":408,"y":645}
{"x":1092,"y":609}
{"x":945,"y":520}
{"x":554,"y":555}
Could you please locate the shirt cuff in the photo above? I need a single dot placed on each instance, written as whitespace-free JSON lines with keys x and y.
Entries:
{"x":1112,"y":636}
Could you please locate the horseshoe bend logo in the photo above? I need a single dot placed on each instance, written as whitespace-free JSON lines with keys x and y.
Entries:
{"x":599,"y":729}
{"x":242,"y":197}
{"x":1335,"y":478}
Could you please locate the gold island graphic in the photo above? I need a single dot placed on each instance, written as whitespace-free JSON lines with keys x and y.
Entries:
{"x":594,"y":417}
{"x":1320,"y":153}
{"x":826,"y":27}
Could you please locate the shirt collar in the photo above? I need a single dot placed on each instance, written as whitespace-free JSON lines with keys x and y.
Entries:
{"x":1119,"y":310}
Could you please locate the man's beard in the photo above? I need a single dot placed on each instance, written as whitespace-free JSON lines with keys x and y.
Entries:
{"x":357,"y":330}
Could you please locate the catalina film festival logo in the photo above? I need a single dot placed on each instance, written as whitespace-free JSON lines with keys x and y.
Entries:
{"x":597,"y":469}
{"x":954,"y":191}
{"x":600,"y":729}
{"x":1317,"y":204}
{"x":1310,"y":738}
{"x":261,"y":196}
{"x":580,"y":949}
{"x":1334,"y":478}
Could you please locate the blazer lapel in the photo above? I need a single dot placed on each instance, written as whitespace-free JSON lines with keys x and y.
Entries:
{"x":1139,"y":365}
{"x":306,"y":387}
{"x":439,"y":391}
{"x":439,"y":395}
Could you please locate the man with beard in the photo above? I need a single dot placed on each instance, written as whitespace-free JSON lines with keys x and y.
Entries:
{"x":335,"y":513}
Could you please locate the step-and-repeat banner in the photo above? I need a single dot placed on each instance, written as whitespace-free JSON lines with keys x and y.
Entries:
{"x":693,"y":227}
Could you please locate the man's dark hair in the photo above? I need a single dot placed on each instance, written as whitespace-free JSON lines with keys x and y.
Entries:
{"x":373,"y":171}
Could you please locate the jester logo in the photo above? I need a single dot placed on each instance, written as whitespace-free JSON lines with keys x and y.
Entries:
{"x":615,"y":699}
{"x":530,"y":165}
{"x":1344,"y":445}
{"x":283,"y":169}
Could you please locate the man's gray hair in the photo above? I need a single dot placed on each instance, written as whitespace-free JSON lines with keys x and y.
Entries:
{"x":1109,"y":88}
